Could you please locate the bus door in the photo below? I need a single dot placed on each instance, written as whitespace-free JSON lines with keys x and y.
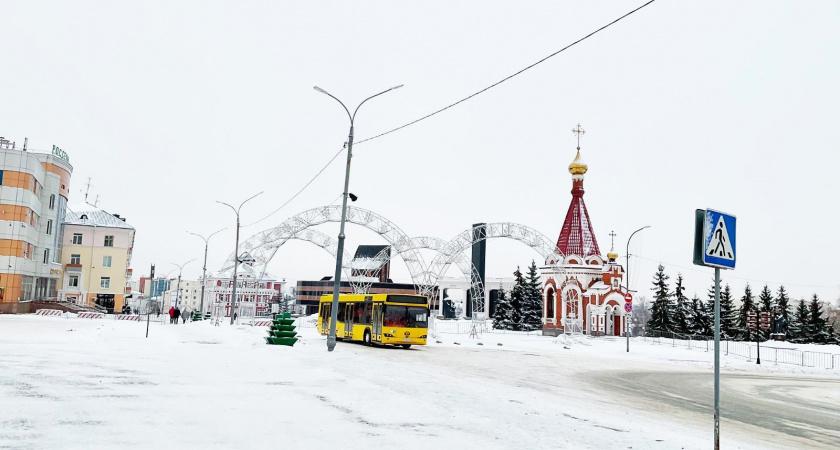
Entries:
{"x":348,"y":320}
{"x":377,"y":322}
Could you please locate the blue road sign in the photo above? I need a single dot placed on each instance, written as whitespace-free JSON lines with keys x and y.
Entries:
{"x":719,"y":240}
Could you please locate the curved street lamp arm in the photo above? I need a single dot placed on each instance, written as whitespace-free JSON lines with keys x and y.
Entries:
{"x":206,"y":239}
{"x":229,"y":206}
{"x":246,"y":201}
{"x":353,"y":117}
{"x":339,"y":101}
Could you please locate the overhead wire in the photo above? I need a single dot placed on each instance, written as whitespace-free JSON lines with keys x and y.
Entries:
{"x":452,"y":105}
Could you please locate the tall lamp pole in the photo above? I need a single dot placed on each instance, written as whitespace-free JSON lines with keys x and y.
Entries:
{"x":204,"y":269}
{"x":236,"y":253}
{"x":627,"y":284}
{"x":178,"y":289}
{"x":337,"y":286}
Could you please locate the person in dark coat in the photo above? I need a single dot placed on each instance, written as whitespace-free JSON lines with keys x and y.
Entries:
{"x":177,"y":314}
{"x":172,"y":314}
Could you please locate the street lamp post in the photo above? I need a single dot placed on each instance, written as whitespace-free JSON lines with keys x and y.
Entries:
{"x":236,"y":253}
{"x":340,"y":252}
{"x":178,"y":289}
{"x":627,"y":285}
{"x":204,"y":269}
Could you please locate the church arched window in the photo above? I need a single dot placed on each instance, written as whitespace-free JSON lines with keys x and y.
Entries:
{"x":549,"y":303}
{"x":572,"y":300}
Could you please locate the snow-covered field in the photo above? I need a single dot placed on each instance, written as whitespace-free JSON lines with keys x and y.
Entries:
{"x":76,"y":383}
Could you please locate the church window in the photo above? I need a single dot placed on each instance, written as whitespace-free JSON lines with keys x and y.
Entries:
{"x":549,"y":303}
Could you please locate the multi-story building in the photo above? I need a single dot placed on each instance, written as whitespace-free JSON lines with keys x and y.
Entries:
{"x":33,"y":196}
{"x":252,"y":286}
{"x":96,"y":257}
{"x":188,"y":293}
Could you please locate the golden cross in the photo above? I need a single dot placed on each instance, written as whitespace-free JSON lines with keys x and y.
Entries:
{"x":578,"y":131}
{"x":612,"y":237}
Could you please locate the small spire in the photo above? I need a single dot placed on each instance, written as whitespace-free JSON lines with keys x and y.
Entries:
{"x":612,"y":256}
{"x":578,"y":131}
{"x":578,"y":167}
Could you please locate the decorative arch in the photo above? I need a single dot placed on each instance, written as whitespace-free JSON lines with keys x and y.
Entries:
{"x":464,"y":240}
{"x":262,"y":246}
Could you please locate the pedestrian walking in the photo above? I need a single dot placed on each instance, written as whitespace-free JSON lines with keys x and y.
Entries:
{"x":171,"y":314}
{"x":177,"y":315}
{"x":185,"y":315}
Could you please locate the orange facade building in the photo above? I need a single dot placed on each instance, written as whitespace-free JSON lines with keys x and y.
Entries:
{"x":33,"y":197}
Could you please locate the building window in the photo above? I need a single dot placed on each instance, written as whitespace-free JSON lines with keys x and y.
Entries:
{"x":75,"y":259}
{"x":52,"y":201}
{"x":77,"y":238}
{"x":36,"y":189}
{"x":73,"y":281}
{"x":106,"y":261}
{"x":33,"y":219}
{"x":49,"y":227}
{"x":105,"y":282}
{"x":46,"y":255}
{"x":109,"y":241}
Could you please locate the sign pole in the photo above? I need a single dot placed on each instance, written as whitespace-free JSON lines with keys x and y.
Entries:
{"x":717,"y":358}
{"x":757,"y":343}
{"x":149,"y":300}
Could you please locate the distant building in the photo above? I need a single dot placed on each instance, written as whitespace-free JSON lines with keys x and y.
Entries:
{"x":97,"y":257}
{"x":372,"y":261}
{"x":252,"y":286}
{"x":33,"y":197}
{"x":188,"y":293}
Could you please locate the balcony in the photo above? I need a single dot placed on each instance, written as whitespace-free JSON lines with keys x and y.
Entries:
{"x":73,"y":268}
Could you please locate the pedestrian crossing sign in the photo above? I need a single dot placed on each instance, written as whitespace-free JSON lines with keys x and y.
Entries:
{"x":718,"y":239}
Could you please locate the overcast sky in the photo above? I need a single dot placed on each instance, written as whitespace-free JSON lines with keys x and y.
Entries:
{"x":169,"y":106}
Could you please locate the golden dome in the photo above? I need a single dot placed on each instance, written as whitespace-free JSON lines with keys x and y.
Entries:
{"x":612,"y":256}
{"x":578,"y":167}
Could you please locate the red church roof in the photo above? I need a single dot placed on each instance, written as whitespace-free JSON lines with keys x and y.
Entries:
{"x":576,"y":236}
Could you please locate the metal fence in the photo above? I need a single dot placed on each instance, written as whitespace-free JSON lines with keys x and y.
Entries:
{"x":480,"y":326}
{"x":748,"y":350}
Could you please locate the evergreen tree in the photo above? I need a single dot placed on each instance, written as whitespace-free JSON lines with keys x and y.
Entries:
{"x":517,"y":298}
{"x":816,"y":324}
{"x":701,"y":323}
{"x":747,"y":305}
{"x":682,"y":311}
{"x":801,"y":320}
{"x":765,"y":300}
{"x":728,"y":314}
{"x":783,"y":303}
{"x":532,"y":301}
{"x":765,"y":304}
{"x":660,"y":318}
{"x":501,"y":314}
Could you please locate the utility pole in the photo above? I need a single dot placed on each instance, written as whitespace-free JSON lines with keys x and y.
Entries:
{"x":204,"y":269}
{"x":149,"y":301}
{"x":236,"y":254}
{"x":627,"y":285}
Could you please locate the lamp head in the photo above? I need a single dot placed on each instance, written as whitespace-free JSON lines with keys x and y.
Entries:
{"x":353,"y":197}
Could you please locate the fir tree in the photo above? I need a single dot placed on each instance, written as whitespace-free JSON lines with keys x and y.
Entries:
{"x":801,"y":320}
{"x":532,"y":300}
{"x":701,"y":323}
{"x":728,"y":319}
{"x":681,"y":309}
{"x":816,"y":324}
{"x":765,"y":300}
{"x":765,"y":304}
{"x":501,"y":314}
{"x":660,"y":319}
{"x":747,"y":305}
{"x":517,"y":298}
{"x":783,"y":303}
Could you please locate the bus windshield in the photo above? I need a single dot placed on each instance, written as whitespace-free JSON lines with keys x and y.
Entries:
{"x":406,"y":316}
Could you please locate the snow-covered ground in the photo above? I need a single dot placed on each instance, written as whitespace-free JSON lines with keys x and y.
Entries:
{"x":76,"y":383}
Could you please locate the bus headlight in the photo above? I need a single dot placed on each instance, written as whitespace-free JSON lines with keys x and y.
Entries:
{"x":389,"y":335}
{"x":423,"y":337}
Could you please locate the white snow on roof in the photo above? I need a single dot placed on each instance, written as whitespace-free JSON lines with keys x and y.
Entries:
{"x":86,"y":214}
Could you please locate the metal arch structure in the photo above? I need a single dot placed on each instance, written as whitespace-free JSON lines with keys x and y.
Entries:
{"x":432,"y":243}
{"x":263,"y":243}
{"x":509,"y":230}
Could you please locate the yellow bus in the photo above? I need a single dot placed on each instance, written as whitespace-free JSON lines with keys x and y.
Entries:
{"x":385,"y":319}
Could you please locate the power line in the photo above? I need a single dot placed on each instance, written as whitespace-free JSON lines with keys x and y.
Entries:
{"x":299,"y":191}
{"x":450,"y":106}
{"x":509,"y":76}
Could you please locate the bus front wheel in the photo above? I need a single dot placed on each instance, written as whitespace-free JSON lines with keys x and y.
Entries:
{"x":367,"y":337}
{"x":406,"y":346}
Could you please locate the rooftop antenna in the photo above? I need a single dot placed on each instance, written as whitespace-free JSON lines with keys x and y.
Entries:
{"x":87,"y":190}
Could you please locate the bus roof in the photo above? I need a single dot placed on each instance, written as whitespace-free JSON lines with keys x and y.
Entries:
{"x":413,"y":299}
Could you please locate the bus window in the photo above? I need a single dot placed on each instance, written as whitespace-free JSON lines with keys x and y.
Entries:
{"x":340,"y":313}
{"x":406,"y":316}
